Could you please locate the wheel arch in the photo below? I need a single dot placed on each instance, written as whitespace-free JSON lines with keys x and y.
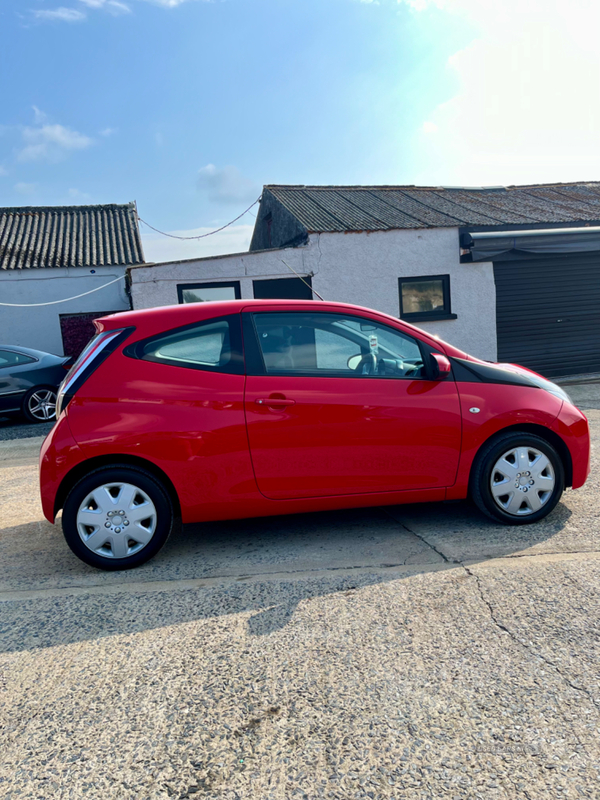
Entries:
{"x":85,"y":467}
{"x":539,"y":430}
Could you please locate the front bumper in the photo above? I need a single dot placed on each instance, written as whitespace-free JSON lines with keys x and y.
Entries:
{"x":572,"y":426}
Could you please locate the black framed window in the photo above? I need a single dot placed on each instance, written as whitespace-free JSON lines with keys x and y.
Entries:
{"x":214,"y":345}
{"x":425,"y":297}
{"x":324,"y":344}
{"x":207,"y":292}
{"x":8,"y":358}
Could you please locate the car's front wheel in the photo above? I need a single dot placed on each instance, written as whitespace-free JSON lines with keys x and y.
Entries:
{"x":117,"y":517}
{"x":517,"y":478}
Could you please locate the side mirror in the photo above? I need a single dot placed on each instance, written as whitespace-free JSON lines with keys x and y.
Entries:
{"x":441,"y":367}
{"x":354,"y":361}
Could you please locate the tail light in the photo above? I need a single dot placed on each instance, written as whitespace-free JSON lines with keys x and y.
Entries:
{"x":95,"y":352}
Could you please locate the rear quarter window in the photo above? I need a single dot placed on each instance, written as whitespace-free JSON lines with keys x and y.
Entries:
{"x":214,"y":345}
{"x":8,"y":358}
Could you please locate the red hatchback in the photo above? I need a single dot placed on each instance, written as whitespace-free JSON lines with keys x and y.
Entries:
{"x":248,"y":408}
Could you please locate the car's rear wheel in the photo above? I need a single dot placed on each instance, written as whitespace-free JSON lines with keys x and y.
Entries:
{"x":517,"y":478}
{"x":39,"y":404}
{"x":117,"y":517}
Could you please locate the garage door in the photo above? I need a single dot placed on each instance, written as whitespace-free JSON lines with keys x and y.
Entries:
{"x":548,"y":313}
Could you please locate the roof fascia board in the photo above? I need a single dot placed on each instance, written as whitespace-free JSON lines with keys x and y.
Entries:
{"x":538,"y":226}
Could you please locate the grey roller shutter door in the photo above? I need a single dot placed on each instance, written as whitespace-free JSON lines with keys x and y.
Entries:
{"x":548,"y":313}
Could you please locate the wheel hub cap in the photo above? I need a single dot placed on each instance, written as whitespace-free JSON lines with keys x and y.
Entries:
{"x":522,"y":481}
{"x":116,"y":520}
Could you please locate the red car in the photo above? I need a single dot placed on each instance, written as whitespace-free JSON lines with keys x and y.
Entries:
{"x":236,"y":409}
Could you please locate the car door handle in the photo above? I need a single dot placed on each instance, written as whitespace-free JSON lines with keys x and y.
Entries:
{"x":274,"y":401}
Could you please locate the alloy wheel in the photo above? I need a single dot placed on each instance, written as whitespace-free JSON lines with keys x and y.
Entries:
{"x":42,"y":405}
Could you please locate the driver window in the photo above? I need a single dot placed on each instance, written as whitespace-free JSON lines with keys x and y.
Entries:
{"x":335,"y":344}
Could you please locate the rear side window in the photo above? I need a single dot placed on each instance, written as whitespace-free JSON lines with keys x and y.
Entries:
{"x":8,"y":358}
{"x":213,"y":345}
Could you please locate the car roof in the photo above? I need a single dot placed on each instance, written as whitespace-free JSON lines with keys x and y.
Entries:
{"x":150,"y":321}
{"x":28,"y":351}
{"x":173,"y":316}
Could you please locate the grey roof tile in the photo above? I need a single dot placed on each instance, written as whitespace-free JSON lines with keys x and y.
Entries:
{"x":69,"y":236}
{"x":372,"y":208}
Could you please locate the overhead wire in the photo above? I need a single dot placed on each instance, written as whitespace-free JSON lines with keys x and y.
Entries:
{"x":202,"y":235}
{"x":66,"y":299}
{"x":172,"y":236}
{"x":306,"y":283}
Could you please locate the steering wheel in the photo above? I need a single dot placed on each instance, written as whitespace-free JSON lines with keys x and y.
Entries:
{"x":367,"y":365}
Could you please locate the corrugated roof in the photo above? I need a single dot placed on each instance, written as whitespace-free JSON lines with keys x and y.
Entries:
{"x":375,"y":208}
{"x":69,"y":236}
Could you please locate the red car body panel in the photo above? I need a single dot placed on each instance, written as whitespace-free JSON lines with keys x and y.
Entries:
{"x":572,"y":426}
{"x":500,"y":406}
{"x":343,"y":436}
{"x":343,"y":442}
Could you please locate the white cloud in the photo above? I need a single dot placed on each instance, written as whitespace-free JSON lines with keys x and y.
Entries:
{"x":51,"y":143}
{"x":117,"y":8}
{"x":528,"y":106}
{"x":112,"y":6}
{"x":3,"y":171}
{"x":108,"y":132}
{"x":226,"y":185}
{"x":39,"y":115}
{"x":62,"y":13}
{"x":25,"y":188}
{"x":235,"y":239}
{"x":76,"y":194}
{"x":169,"y":3}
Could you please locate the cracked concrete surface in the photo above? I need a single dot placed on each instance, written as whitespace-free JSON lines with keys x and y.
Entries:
{"x":410,"y":652}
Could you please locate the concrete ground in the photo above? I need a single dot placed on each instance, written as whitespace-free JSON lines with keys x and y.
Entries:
{"x":408,"y":652}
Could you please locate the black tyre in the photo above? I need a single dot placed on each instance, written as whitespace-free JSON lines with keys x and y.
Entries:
{"x":39,"y":404}
{"x":117,"y":517}
{"x":517,"y":478}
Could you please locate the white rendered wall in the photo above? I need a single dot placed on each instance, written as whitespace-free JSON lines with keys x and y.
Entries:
{"x":157,"y":285}
{"x":361,"y":268}
{"x":364,"y":268}
{"x":39,"y":327}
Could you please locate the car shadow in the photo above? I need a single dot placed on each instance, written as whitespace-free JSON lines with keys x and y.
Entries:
{"x":16,"y":427}
{"x":262,"y":568}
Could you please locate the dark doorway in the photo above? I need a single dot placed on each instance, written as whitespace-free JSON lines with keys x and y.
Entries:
{"x":283,"y":289}
{"x":77,"y":330}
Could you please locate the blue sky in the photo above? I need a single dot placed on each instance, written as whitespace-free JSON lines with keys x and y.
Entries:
{"x":189,"y":107}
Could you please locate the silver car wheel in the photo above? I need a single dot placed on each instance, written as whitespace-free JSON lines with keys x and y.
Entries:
{"x":42,"y":405}
{"x":522,"y":481}
{"x":116,"y":520}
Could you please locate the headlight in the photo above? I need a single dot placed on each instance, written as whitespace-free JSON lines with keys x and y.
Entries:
{"x":558,"y":392}
{"x":551,"y":387}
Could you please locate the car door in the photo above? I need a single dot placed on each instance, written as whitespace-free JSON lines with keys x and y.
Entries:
{"x":14,"y":378}
{"x":341,"y":404}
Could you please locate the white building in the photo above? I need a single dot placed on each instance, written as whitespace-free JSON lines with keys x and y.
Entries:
{"x":503,"y":273}
{"x":58,"y":252}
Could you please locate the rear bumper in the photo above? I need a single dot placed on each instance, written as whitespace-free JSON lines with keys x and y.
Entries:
{"x":572,"y":426}
{"x":58,"y":455}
